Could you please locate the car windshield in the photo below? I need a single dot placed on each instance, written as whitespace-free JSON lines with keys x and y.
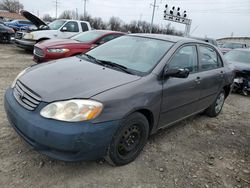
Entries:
{"x":55,"y":25}
{"x":232,"y":45}
{"x":138,"y":54}
{"x":238,"y":56}
{"x":88,"y":36}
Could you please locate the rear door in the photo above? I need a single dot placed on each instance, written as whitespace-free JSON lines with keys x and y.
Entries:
{"x":211,"y":75}
{"x":180,"y":96}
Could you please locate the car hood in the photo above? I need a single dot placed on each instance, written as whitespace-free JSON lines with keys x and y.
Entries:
{"x":239,"y":66}
{"x":35,"y":20}
{"x":58,"y":42}
{"x":72,"y":78}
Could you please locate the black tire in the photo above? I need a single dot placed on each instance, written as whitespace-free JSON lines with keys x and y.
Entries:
{"x":129,"y":140}
{"x":213,"y":110}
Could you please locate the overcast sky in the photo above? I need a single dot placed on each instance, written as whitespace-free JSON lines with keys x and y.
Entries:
{"x":211,"y":18}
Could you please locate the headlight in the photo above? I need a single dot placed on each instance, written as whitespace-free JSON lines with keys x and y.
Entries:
{"x":28,"y":36}
{"x":72,"y":110}
{"x":18,"y":76}
{"x":58,"y":50}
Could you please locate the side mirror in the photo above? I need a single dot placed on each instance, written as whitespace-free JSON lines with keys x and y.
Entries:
{"x":177,"y":73}
{"x":64,"y":29}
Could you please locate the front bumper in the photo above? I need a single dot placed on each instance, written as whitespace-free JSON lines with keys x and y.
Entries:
{"x":25,"y":44}
{"x":59,"y":140}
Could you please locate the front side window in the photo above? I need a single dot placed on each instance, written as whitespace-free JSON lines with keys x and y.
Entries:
{"x":72,"y":27}
{"x":209,"y":58}
{"x":139,"y":54}
{"x":186,"y":57}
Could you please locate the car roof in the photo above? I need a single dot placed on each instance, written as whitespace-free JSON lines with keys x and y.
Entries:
{"x":170,"y":38}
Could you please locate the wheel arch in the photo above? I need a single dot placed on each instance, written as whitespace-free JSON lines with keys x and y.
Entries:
{"x":41,"y":39}
{"x":148,"y":114}
{"x":227,"y":90}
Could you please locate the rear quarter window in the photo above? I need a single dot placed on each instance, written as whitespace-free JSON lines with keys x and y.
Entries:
{"x":84,"y":26}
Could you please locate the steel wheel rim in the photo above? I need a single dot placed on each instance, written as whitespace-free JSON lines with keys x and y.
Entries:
{"x":219,"y":103}
{"x":129,"y":141}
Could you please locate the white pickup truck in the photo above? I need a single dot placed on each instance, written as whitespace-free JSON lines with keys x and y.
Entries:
{"x":60,"y":29}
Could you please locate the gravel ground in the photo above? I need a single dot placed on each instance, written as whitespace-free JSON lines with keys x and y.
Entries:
{"x":199,"y":152}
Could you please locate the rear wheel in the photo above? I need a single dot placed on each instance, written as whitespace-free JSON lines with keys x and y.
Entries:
{"x":214,"y":109}
{"x":129,"y":140}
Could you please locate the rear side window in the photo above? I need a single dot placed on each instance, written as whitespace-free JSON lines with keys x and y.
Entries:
{"x":209,"y":58}
{"x":72,"y":27}
{"x":84,"y":26}
{"x":186,"y":57}
{"x":108,"y":38}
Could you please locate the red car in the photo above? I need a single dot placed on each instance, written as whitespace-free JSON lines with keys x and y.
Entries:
{"x":80,"y":43}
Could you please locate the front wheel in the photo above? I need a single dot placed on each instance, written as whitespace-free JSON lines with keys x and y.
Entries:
{"x":129,"y":140}
{"x":214,"y":109}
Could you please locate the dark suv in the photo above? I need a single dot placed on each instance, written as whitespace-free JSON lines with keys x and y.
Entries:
{"x":106,"y":103}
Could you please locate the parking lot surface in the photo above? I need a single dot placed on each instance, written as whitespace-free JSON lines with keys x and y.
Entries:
{"x":198,"y":152}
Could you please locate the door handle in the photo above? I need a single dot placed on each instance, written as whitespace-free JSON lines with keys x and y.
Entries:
{"x":198,"y":80}
{"x":221,"y":73}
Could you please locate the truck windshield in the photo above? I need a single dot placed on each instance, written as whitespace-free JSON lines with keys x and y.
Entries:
{"x":55,"y":25}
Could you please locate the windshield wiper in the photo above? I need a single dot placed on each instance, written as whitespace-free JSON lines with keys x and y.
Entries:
{"x":91,"y":58}
{"x":108,"y":63}
{"x":112,"y":64}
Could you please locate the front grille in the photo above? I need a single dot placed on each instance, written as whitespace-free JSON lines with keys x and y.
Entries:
{"x":38,"y":52}
{"x":19,"y":35}
{"x":25,"y":97}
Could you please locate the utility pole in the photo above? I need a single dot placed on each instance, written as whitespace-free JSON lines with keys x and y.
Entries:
{"x":85,"y":13}
{"x":153,"y":15}
{"x":56,"y":3}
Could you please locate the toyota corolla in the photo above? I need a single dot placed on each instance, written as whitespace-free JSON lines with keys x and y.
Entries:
{"x":107,"y":102}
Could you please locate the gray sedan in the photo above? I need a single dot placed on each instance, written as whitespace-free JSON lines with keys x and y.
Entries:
{"x":107,"y":102}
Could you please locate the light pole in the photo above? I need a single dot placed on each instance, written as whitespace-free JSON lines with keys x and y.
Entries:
{"x":153,"y":15}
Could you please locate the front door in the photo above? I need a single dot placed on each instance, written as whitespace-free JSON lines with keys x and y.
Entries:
{"x":181,"y":95}
{"x":71,"y":27}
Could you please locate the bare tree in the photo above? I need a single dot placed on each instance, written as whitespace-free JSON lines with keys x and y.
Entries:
{"x":68,"y":14}
{"x":115,"y":23}
{"x":47,"y":18}
{"x":11,"y":5}
{"x":98,"y":23}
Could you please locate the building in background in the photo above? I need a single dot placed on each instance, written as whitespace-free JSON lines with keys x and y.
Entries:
{"x":9,"y":16}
